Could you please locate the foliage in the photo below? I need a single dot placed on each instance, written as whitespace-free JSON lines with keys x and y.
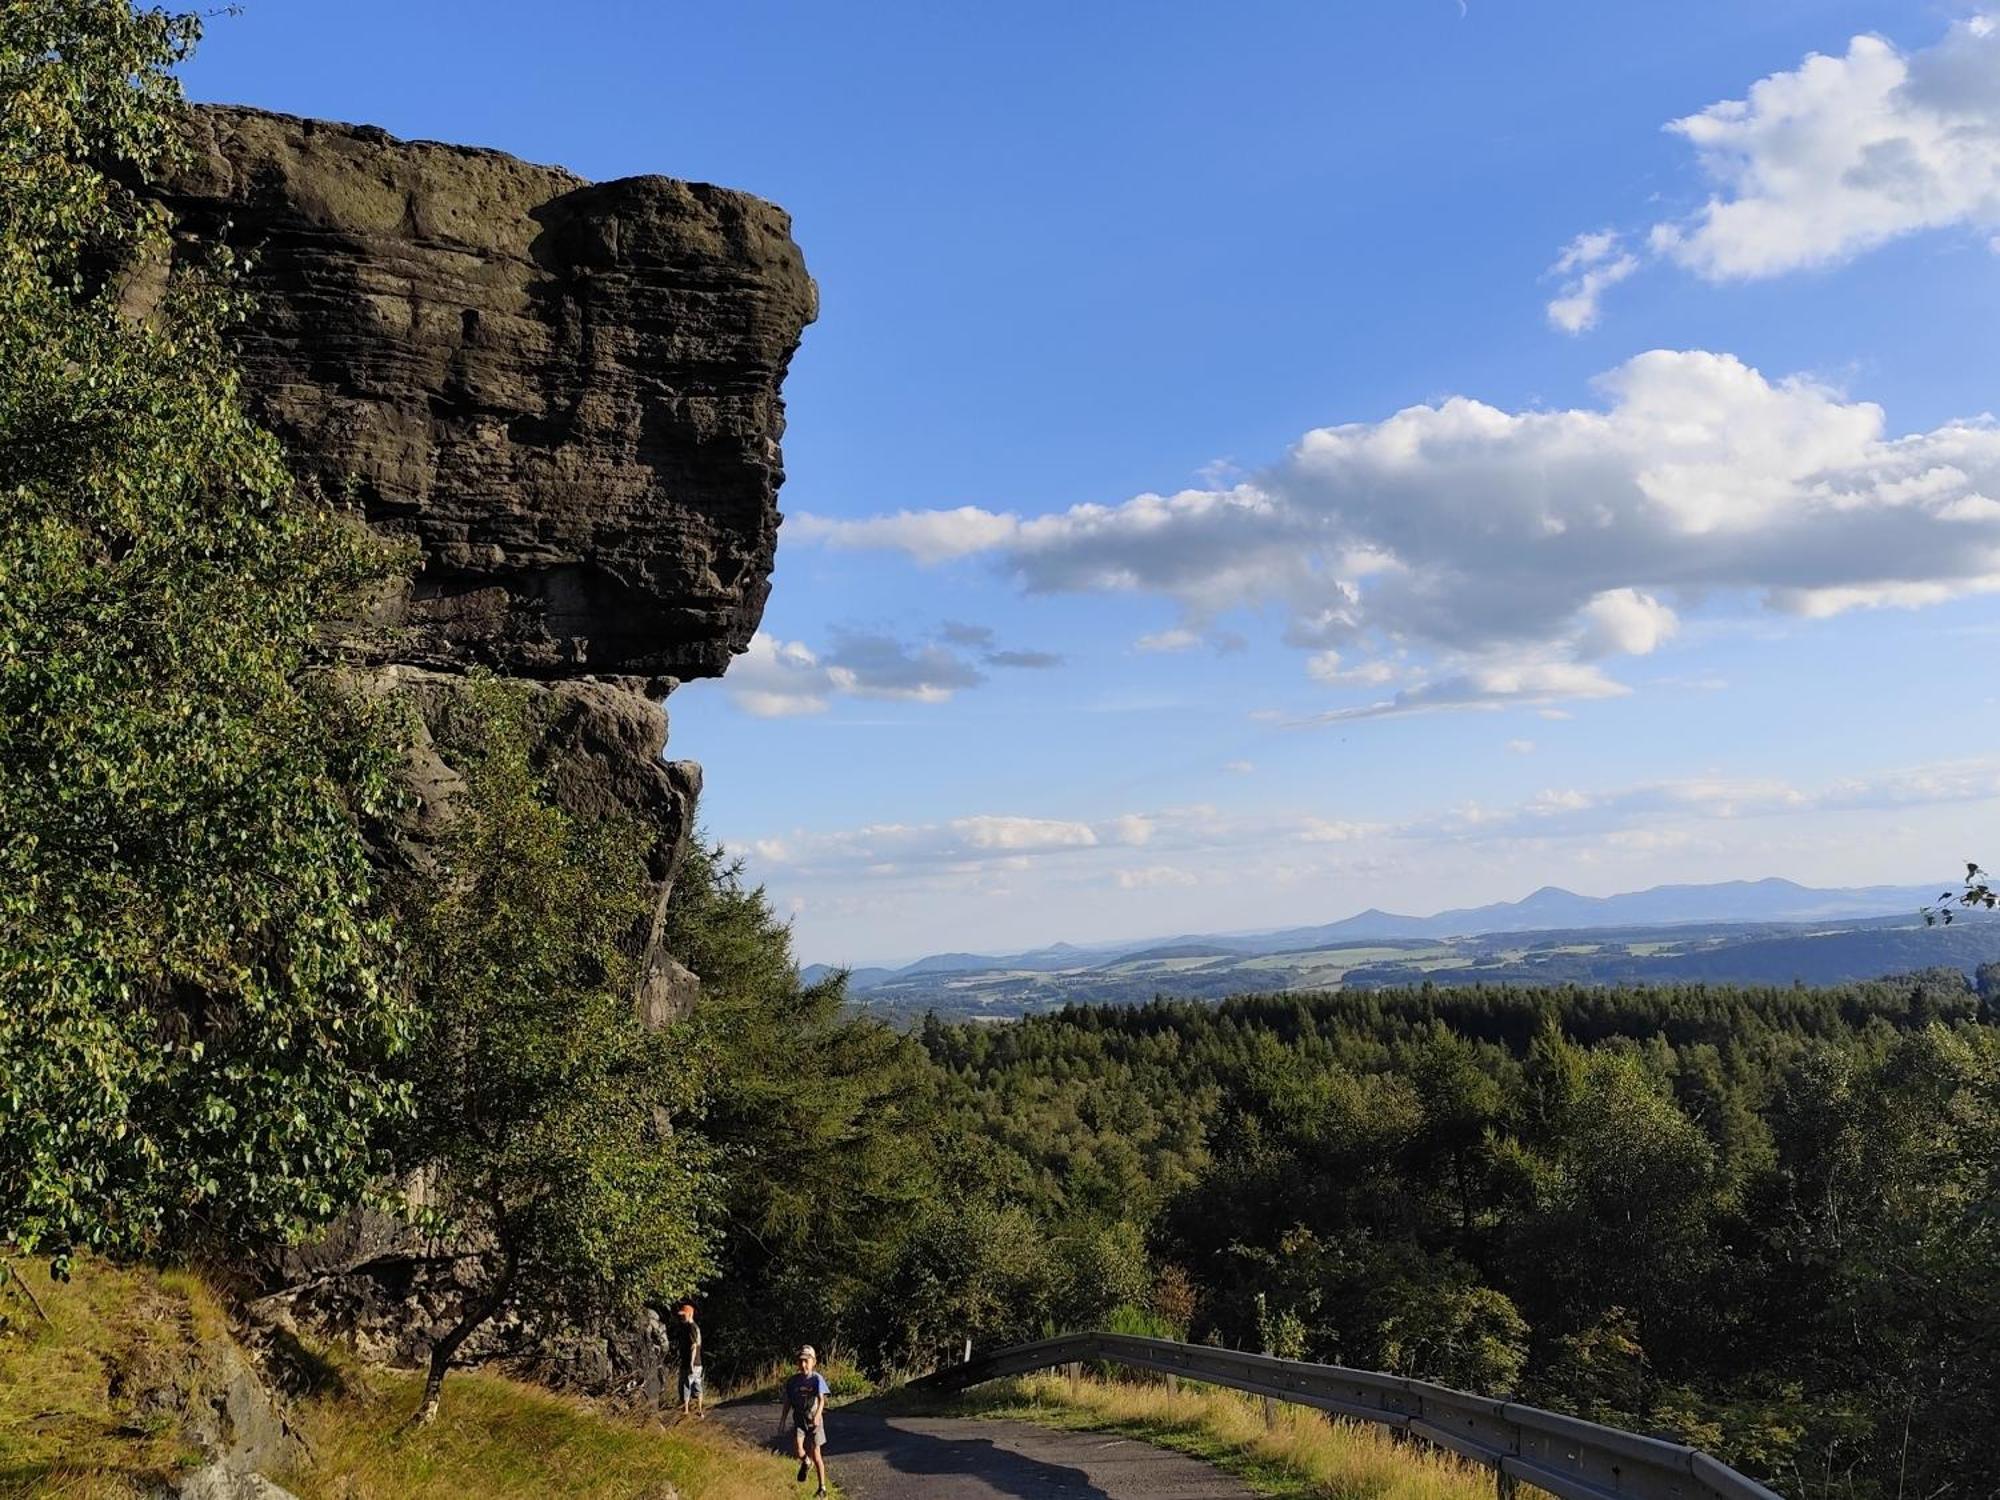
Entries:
{"x":822,"y":1122}
{"x":1139,"y":1322}
{"x":852,"y":1217}
{"x":196,"y":999}
{"x":1977,"y":891}
{"x":546,"y":1116}
{"x":99,"y":1405}
{"x":1763,"y":1220}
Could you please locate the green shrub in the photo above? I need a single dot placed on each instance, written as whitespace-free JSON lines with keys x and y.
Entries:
{"x":550,"y":1121}
{"x":197,"y":994}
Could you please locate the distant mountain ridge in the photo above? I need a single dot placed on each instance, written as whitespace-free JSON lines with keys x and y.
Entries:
{"x":1548,"y":909}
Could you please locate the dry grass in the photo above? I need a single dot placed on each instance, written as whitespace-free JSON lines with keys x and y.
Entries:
{"x":1299,"y":1456}
{"x":77,"y":1421}
{"x":76,"y":1416}
{"x":499,"y":1439}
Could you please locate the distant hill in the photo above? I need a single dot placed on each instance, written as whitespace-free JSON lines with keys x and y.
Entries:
{"x":1549,"y":909}
{"x":857,"y":979}
{"x":1748,"y":931}
{"x":1552,"y":908}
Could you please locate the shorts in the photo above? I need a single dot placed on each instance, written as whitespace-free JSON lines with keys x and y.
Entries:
{"x":814,"y":1435}
{"x":691,"y":1383}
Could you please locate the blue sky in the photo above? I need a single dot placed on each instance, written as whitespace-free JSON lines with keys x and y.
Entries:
{"x":1264,"y":460}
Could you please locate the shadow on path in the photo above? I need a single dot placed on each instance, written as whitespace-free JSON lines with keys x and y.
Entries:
{"x":875,"y":1455}
{"x":904,"y":1447}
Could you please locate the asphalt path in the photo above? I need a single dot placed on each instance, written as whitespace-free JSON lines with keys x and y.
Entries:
{"x":876,"y":1456}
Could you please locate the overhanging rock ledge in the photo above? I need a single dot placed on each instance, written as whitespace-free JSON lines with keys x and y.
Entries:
{"x":566,"y":396}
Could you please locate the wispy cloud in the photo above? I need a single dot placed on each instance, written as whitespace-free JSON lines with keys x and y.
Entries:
{"x":778,"y":679}
{"x":1642,"y":814}
{"x":1574,"y":812}
{"x":1590,"y":265}
{"x":1495,"y":685}
{"x":1026,"y":660}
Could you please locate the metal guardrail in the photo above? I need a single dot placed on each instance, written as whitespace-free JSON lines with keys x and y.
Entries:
{"x":1566,"y":1456}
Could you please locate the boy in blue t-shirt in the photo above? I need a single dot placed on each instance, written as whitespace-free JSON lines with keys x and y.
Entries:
{"x":805,"y":1401}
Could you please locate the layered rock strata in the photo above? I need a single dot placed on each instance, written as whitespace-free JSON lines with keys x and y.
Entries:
{"x":565,"y":393}
{"x":564,"y":396}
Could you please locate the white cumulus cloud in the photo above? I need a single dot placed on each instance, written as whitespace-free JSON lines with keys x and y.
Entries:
{"x":928,"y":535}
{"x":1845,"y":153}
{"x":1821,"y":163}
{"x":776,"y":678}
{"x":1482,"y":556}
{"x":1624,"y":622}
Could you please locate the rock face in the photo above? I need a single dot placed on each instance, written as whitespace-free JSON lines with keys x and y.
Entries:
{"x":205,"y":1387}
{"x":601,"y":745}
{"x":393,"y":1302}
{"x":565,"y":393}
{"x":565,"y":397}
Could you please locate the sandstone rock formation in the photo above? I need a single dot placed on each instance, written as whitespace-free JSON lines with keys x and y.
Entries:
{"x":199,"y":1383}
{"x":566,"y":397}
{"x":566,"y":393}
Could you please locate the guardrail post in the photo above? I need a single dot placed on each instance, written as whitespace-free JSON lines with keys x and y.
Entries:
{"x":1505,"y":1485}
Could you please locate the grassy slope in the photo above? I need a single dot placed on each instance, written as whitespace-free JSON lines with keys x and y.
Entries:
{"x":70,"y":1428}
{"x":1302,"y":1456}
{"x":500,"y":1438}
{"x":73,"y":1419}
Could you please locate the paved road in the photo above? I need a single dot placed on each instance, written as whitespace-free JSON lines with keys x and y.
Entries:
{"x":875,"y":1457}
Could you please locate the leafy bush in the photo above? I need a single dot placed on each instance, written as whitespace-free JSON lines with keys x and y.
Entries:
{"x":197,"y":997}
{"x":824,"y":1125}
{"x":548,"y":1120}
{"x":1140,"y":1323}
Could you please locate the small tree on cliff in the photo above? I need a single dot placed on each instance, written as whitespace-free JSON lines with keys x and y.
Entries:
{"x":545,"y":1113}
{"x":195,"y":1007}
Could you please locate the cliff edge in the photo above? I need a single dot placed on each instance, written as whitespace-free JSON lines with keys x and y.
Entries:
{"x":566,"y":398}
{"x":565,"y":395}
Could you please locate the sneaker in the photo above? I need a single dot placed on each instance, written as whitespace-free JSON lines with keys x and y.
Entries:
{"x":819,"y":1494}
{"x":804,"y":1469}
